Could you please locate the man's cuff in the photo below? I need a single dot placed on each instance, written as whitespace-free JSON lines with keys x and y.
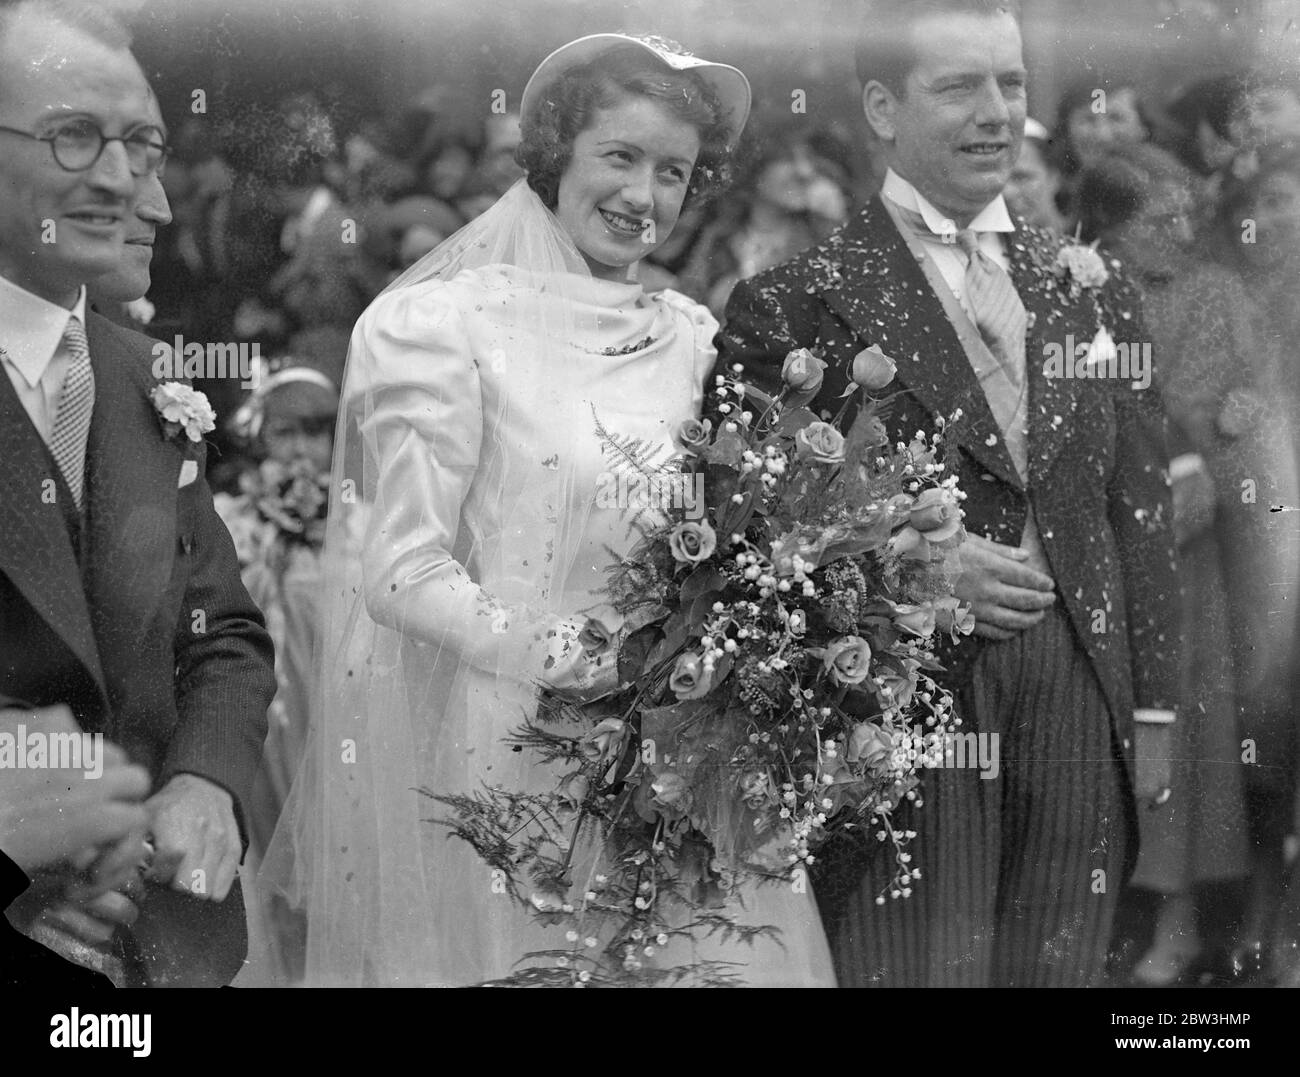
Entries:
{"x":1153,"y":716}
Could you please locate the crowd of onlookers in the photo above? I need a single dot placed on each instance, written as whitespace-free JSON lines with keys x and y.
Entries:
{"x":284,"y":239}
{"x":1200,"y":197}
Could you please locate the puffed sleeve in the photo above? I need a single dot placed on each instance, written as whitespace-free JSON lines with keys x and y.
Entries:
{"x":415,"y":389}
{"x":703,"y":327}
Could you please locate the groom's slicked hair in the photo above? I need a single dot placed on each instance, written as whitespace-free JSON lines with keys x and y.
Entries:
{"x":885,"y":52}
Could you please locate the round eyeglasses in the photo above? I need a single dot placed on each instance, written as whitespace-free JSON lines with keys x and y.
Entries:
{"x":77,"y":146}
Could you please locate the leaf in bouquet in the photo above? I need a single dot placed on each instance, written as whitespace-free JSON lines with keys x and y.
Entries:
{"x":760,"y":399}
{"x":647,"y":458}
{"x":701,"y":610}
{"x":736,"y":517}
{"x":676,"y":632}
{"x":727,"y":449}
{"x":642,"y":799}
{"x":662,"y":725}
{"x":720,"y":482}
{"x":794,"y":420}
{"x":634,"y":654}
{"x":879,"y":631}
{"x":704,"y":580}
{"x":722,"y":668}
{"x":859,"y":703}
{"x":812,"y":492}
{"x":647,"y":613}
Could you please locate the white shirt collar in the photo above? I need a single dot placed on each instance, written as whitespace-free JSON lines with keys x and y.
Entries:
{"x":992,"y":218}
{"x":31,"y":328}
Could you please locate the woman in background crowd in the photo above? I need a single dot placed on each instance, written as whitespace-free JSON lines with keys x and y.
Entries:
{"x":1138,"y":202}
{"x":796,"y":195}
{"x":1258,"y":237}
{"x":1035,"y":182}
{"x":1089,"y":120}
{"x":1208,"y":130}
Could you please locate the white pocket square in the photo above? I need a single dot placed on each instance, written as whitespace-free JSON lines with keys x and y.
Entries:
{"x":189,"y":472}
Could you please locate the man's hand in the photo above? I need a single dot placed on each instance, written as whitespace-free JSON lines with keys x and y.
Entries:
{"x":1004,"y":594}
{"x":196,"y":837}
{"x":93,"y":921}
{"x":107,"y":896}
{"x":50,"y":815}
{"x":112,"y":867}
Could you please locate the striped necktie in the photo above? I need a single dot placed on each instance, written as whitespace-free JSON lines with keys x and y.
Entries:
{"x":999,"y":313}
{"x":76,"y":402}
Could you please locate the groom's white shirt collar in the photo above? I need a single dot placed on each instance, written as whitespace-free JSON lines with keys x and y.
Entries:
{"x":31,"y":328}
{"x":992,"y":218}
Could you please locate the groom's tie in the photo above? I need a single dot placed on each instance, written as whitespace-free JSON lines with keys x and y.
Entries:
{"x":76,"y":402}
{"x":999,"y":313}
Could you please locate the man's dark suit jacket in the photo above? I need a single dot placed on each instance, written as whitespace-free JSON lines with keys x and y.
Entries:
{"x":1098,"y":463}
{"x":134,"y":615}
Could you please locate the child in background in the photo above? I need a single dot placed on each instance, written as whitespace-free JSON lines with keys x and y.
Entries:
{"x":277,"y":522}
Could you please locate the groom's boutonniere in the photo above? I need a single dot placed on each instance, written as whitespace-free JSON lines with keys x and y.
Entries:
{"x":1080,"y":266}
{"x":183,"y":409}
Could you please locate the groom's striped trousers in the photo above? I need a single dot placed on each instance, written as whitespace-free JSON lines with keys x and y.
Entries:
{"x":1020,"y":873}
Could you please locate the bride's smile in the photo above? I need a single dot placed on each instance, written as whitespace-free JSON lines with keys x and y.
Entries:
{"x":623,"y":188}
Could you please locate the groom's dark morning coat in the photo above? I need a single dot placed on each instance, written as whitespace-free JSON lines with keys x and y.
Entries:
{"x":136,"y":618}
{"x":1097,"y":460}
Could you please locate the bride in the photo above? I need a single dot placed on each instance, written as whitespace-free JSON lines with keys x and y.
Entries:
{"x":468,"y":446}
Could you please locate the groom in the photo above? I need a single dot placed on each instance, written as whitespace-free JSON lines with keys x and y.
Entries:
{"x":1069,"y":564}
{"x":120,"y":596}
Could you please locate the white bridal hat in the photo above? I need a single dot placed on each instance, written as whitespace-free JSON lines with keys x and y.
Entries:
{"x":729,"y":83}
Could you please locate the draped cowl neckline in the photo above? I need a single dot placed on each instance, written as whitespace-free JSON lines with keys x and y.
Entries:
{"x":609,"y":318}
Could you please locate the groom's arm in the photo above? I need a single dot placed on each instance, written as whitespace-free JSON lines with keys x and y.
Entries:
{"x":1140,"y":504}
{"x":1140,"y":510}
{"x":767,"y":317}
{"x":225,"y":677}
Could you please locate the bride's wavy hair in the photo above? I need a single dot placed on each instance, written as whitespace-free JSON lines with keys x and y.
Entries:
{"x":569,"y":104}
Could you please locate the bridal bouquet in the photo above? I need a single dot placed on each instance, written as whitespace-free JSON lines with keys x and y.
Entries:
{"x":774,"y":637}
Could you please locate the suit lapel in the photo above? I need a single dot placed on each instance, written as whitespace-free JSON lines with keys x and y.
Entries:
{"x":1052,"y":314}
{"x":131,"y":479}
{"x":883,"y":295}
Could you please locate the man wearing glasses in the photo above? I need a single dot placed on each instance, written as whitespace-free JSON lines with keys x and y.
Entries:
{"x":120,"y":597}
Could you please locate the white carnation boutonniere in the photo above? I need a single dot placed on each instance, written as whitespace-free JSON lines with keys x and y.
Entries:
{"x":1080,"y":266}
{"x":183,"y":409}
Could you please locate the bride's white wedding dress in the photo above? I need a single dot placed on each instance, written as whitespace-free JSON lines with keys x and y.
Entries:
{"x":476,"y":399}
